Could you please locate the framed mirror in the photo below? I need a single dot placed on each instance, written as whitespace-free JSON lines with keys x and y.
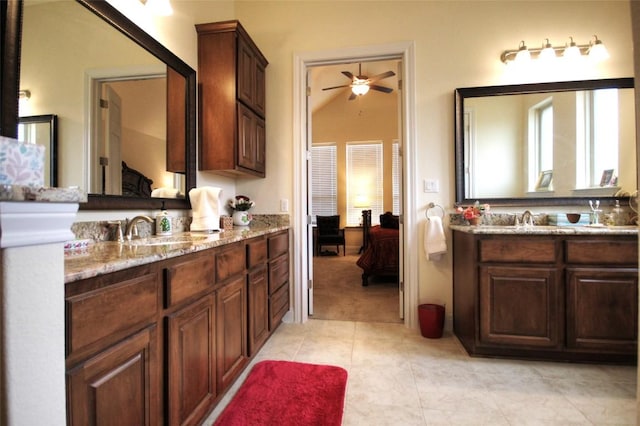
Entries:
{"x":545,"y":144}
{"x":42,"y":130}
{"x":134,"y":66}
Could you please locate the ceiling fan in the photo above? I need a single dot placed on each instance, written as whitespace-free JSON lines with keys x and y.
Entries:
{"x":360,"y":84}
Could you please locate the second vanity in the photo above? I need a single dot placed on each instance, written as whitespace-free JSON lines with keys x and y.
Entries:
{"x":547,"y":292}
{"x":165,"y":326}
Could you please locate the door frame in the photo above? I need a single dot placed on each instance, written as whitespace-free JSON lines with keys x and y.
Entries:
{"x":301,"y":243}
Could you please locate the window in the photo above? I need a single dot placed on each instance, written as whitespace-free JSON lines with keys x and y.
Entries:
{"x":395,"y":177}
{"x":540,"y":141}
{"x":602,"y":133}
{"x":324,"y":182}
{"x":597,"y":140}
{"x":364,"y":181}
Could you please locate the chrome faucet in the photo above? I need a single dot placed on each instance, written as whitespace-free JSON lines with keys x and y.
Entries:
{"x":131,"y":228}
{"x":527,"y":218}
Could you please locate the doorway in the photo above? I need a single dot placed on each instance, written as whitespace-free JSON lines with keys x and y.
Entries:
{"x":302,"y":245}
{"x":356,"y":167}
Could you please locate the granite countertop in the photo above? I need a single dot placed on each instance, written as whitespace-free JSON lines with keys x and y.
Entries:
{"x":547,"y":230}
{"x":110,"y":256}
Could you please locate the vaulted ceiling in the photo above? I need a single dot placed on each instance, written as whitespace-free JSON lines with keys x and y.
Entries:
{"x":331,"y":75}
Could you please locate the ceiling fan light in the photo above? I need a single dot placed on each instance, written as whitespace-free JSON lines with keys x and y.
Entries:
{"x":360,"y":89}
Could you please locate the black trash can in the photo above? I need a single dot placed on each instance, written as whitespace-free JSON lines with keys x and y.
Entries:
{"x":431,"y":318}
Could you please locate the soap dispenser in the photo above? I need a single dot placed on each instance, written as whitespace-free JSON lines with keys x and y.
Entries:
{"x":163,"y":222}
{"x":617,"y":215}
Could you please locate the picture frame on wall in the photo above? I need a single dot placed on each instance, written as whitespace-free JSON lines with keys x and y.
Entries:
{"x":544,"y":180}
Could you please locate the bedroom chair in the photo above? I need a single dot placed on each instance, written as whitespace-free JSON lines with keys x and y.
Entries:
{"x":330,"y":234}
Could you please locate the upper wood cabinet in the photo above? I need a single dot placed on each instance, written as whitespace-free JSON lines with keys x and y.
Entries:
{"x":231,"y":82}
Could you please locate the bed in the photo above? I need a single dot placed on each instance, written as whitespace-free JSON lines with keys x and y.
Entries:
{"x":381,"y":247}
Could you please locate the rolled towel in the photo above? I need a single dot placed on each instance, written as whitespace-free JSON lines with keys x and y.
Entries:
{"x":205,"y":206}
{"x":165,"y":193}
{"x":435,"y":243}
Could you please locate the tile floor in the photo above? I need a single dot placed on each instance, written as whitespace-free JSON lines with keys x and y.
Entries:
{"x":398,"y":377}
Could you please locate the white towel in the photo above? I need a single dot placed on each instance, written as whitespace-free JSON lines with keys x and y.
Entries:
{"x":165,"y":193}
{"x":435,"y":243}
{"x":205,"y":205}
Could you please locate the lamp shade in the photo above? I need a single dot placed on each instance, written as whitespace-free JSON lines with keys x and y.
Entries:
{"x":361,"y":201}
{"x":360,"y":89}
{"x":598,"y":52}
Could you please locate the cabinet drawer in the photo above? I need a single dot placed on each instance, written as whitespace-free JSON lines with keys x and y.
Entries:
{"x":107,"y":314}
{"x":278,"y":245}
{"x":187,"y":279}
{"x":278,"y":306}
{"x":520,"y":250}
{"x":256,"y":252}
{"x":609,"y":252}
{"x":278,"y":273}
{"x":230,"y":261}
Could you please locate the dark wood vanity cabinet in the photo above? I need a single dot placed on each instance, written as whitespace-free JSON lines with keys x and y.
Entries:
{"x":231,"y":80}
{"x":162,"y":343}
{"x":258,"y":293}
{"x":563,"y":297}
{"x":112,"y":349}
{"x":278,"y":246}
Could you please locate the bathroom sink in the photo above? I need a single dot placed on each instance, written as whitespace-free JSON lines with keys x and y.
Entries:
{"x":167,"y":240}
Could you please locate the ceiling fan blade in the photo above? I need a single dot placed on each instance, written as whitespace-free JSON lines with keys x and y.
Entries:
{"x":352,"y":96}
{"x":348,"y":74}
{"x":380,"y":88}
{"x":381,"y":76}
{"x":336,"y":87}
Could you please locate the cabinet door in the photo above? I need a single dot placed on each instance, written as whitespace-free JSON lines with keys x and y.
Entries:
{"x":251,"y":141}
{"x":258,"y":308}
{"x":231,"y":313}
{"x":118,"y":386}
{"x":191,"y":362}
{"x":246,"y":73}
{"x":520,"y":306}
{"x":602,"y":309}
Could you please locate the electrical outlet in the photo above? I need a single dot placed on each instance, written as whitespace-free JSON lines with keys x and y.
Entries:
{"x":284,"y":205}
{"x":431,"y":185}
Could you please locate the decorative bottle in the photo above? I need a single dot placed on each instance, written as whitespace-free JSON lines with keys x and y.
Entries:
{"x":163,"y":222}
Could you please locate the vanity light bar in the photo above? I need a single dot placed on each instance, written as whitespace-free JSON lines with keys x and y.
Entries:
{"x":595,"y":50}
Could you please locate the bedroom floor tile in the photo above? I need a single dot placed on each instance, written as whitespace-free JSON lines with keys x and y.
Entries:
{"x":398,"y":377}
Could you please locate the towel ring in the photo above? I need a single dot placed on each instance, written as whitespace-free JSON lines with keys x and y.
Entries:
{"x":429,"y":213}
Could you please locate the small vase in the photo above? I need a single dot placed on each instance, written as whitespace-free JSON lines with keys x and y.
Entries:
{"x":241,"y":218}
{"x":475,"y":221}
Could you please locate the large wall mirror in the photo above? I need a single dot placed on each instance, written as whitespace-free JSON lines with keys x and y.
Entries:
{"x":545,"y":144}
{"x":125,"y":104}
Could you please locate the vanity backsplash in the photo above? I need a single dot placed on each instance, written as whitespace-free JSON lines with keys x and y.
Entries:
{"x":626,"y":217}
{"x":107,"y":230}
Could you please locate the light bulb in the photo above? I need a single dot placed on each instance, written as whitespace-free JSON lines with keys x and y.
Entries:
{"x":523,"y":55}
{"x":597,"y":52}
{"x":572,"y":51}
{"x":359,"y":88}
{"x":547,"y":53}
{"x":160,"y":7}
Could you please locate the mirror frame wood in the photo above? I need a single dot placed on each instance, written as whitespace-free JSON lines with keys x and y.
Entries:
{"x":473,"y":92}
{"x":11,"y":16}
{"x":52,"y":120}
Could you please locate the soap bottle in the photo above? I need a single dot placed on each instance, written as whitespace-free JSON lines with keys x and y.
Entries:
{"x":617,"y":215}
{"x":163,"y":222}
